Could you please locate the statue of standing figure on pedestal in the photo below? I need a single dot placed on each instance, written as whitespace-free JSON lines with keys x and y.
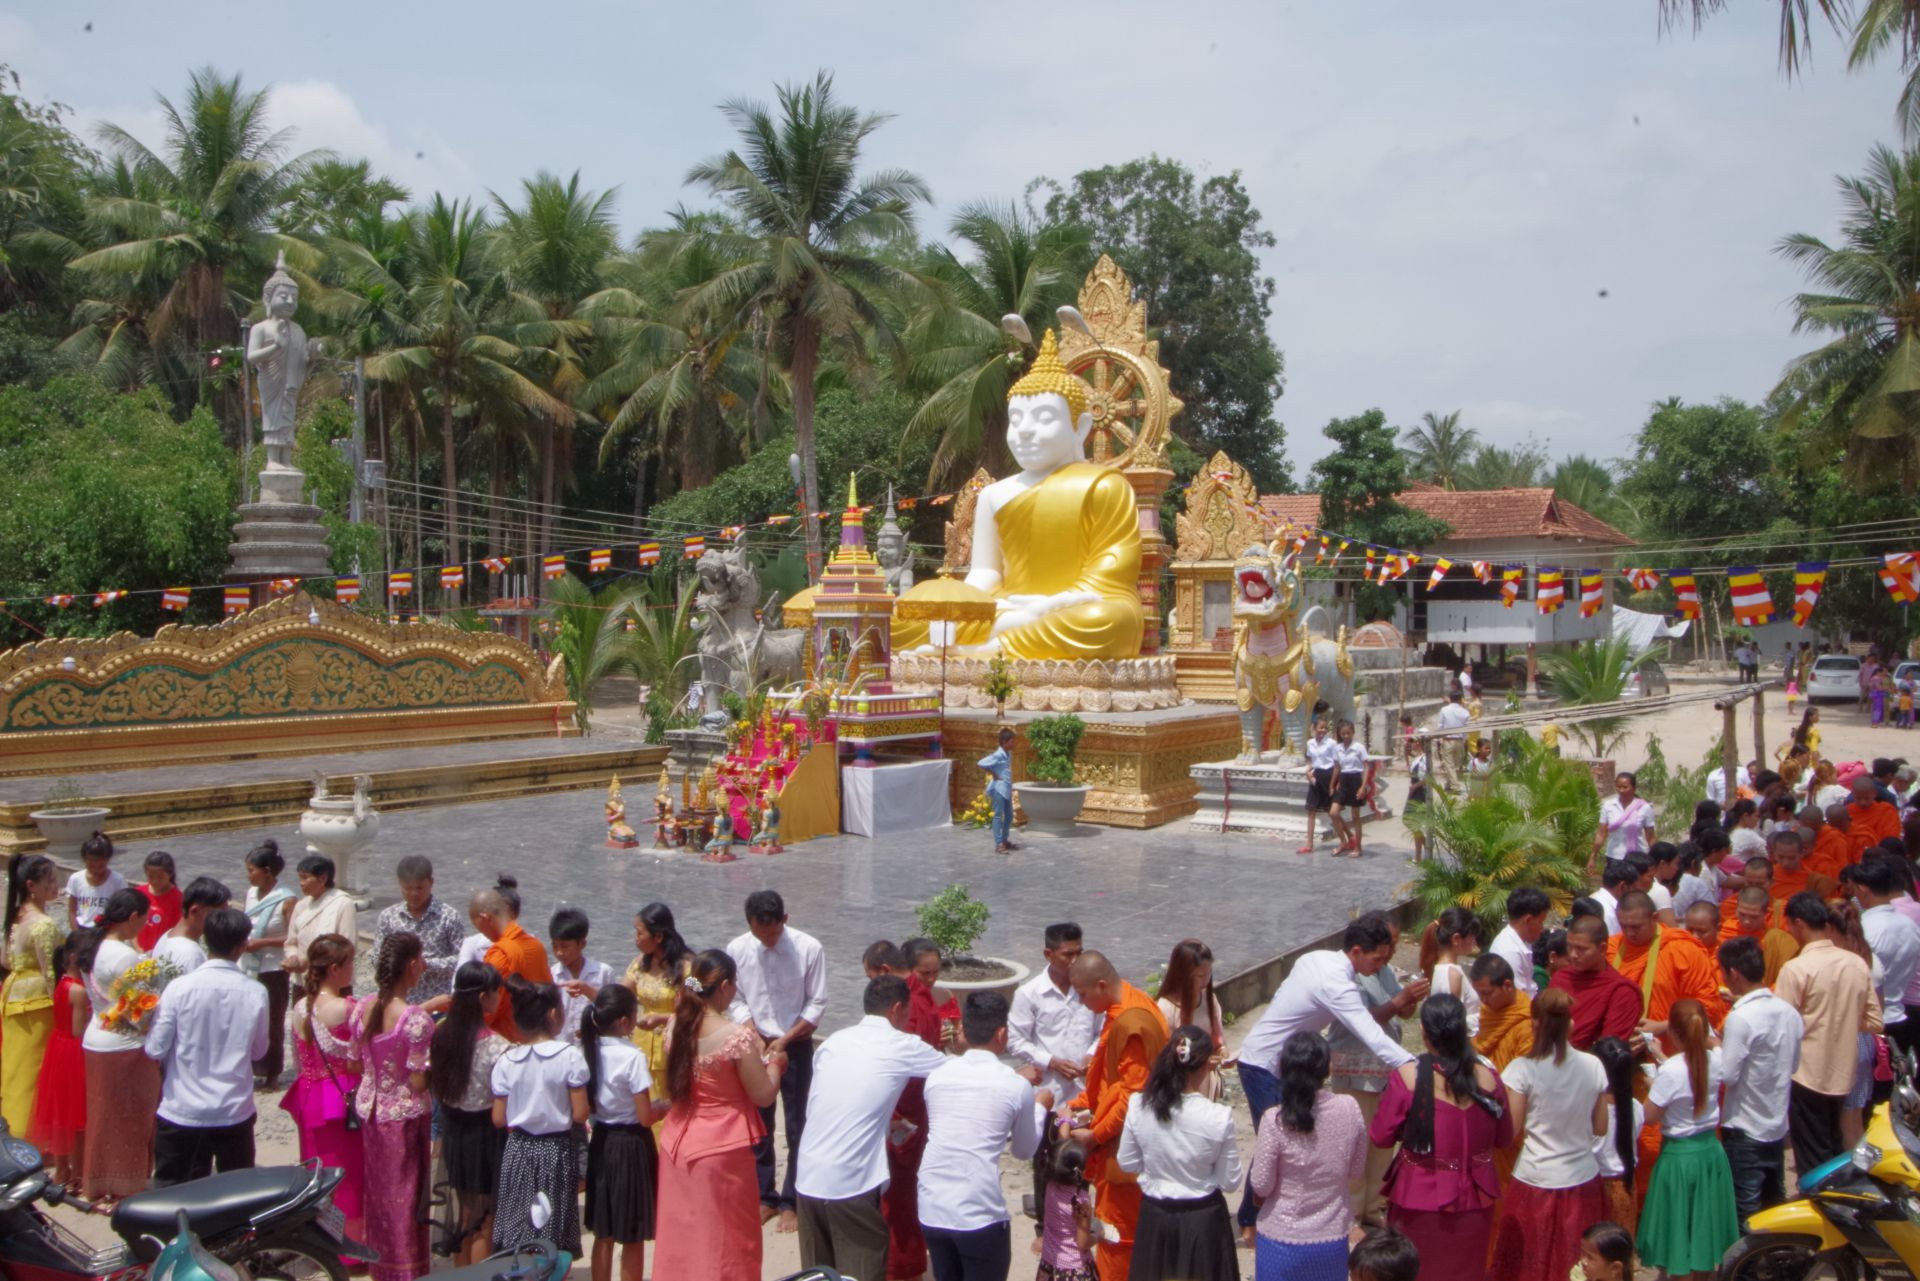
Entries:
{"x":890,"y":549}
{"x":278,"y":350}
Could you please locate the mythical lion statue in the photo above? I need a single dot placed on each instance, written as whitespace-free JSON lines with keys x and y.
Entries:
{"x":1283,"y":660}
{"x":737,"y":649}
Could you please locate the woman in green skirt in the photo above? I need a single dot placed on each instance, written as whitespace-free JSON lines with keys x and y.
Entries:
{"x":1688,"y":1220}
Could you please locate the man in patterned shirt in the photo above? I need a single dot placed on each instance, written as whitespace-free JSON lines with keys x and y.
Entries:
{"x":438,"y":926}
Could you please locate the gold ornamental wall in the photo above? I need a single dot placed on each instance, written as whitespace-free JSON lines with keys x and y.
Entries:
{"x":295,"y":676}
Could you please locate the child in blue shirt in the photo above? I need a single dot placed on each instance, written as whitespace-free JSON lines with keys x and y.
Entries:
{"x":999,"y":767}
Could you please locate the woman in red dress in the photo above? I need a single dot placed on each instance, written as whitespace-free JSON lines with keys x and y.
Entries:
{"x":60,"y":1103}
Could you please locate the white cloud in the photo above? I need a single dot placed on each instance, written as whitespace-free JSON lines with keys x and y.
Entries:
{"x":325,"y":117}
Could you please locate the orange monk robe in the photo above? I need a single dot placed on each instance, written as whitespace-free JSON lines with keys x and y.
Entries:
{"x":1871,"y":825}
{"x":1505,"y":1035}
{"x":1684,"y":969}
{"x":1787,"y":884}
{"x":516,"y":952}
{"x":1776,"y":946}
{"x":1832,"y":852}
{"x":1134,"y":1034}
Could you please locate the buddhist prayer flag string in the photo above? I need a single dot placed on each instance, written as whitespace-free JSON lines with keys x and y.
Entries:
{"x":648,"y":554}
{"x":695,"y":547}
{"x":1900,"y":571}
{"x":1593,"y":592}
{"x":236,"y":599}
{"x":1483,"y":571}
{"x":1510,"y":580}
{"x":400,"y":584}
{"x":453,"y":576}
{"x":1643,"y":580}
{"x":552,"y":567}
{"x":346,"y":590}
{"x":1752,"y":603}
{"x":106,"y":598}
{"x":1367,"y":574}
{"x":1686,"y":596}
{"x":497,"y":564}
{"x":60,"y":600}
{"x":1551,"y":592}
{"x":598,"y":559}
{"x":176,"y":598}
{"x":1809,"y":577}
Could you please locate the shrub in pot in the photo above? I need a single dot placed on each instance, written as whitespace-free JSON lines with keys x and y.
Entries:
{"x":1050,"y":797}
{"x":954,"y":919}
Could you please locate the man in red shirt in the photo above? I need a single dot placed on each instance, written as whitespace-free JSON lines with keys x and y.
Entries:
{"x":1604,"y":1004}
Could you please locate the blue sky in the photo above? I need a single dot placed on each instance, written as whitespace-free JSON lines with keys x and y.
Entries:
{"x":1451,"y":185}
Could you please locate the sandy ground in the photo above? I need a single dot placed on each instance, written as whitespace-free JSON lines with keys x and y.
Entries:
{"x":1685,"y":735}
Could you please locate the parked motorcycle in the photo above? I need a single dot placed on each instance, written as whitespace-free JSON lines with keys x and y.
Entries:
{"x":1858,"y":1216}
{"x":277,"y":1222}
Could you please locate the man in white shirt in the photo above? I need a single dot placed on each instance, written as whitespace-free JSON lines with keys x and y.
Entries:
{"x":1049,"y":1028}
{"x":1895,"y":941}
{"x":1617,"y":880}
{"x":1452,"y":721}
{"x":210,"y":1027}
{"x":782,"y":977}
{"x":1526,"y":921}
{"x":1717,"y":784}
{"x":842,"y":1156}
{"x":1319,"y":990}
{"x":976,"y":1106}
{"x":1760,"y":1045}
{"x":180,"y":946}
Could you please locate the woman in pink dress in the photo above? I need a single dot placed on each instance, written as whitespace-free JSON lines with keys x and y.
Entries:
{"x":329,"y":1071}
{"x":1448,"y":1112}
{"x":708,"y":1219}
{"x":396,"y":1112}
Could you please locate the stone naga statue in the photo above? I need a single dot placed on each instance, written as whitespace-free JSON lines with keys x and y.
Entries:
{"x":737,"y":650}
{"x":1281,"y":662}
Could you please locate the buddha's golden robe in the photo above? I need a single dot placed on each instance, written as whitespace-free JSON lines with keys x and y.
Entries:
{"x":1076,"y":531}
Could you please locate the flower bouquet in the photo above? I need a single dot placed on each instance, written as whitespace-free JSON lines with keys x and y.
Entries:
{"x":136,"y":995}
{"x":978,"y":814}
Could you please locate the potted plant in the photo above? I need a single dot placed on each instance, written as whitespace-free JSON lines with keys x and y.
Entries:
{"x":1050,"y":797}
{"x":954,"y":919}
{"x":998,"y":685}
{"x":66,"y":817}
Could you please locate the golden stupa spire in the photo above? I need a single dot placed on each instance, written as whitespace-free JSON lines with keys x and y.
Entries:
{"x":1049,"y":374}
{"x":853,"y":494}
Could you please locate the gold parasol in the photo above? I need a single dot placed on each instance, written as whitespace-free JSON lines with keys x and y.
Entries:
{"x":945,"y":599}
{"x":797,"y":609}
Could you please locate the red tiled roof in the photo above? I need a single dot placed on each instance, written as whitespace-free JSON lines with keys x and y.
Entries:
{"x":1475,"y":513}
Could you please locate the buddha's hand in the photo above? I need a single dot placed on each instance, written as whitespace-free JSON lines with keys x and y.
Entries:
{"x":1020,"y":609}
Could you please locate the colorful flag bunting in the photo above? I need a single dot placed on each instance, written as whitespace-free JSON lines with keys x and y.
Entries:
{"x":1483,"y":570}
{"x":1366,"y":575}
{"x":1686,"y":596}
{"x":1900,"y":571}
{"x":283,"y":586}
{"x":176,"y":598}
{"x":497,"y":564}
{"x":1809,"y":577}
{"x":1510,"y":581}
{"x":1752,"y":602}
{"x":1320,"y":557}
{"x":1440,"y":567}
{"x":940,"y":500}
{"x":694,"y":547}
{"x":237,"y":599}
{"x":731,"y":532}
{"x":649,"y":553}
{"x":106,"y":598}
{"x":1593,"y":592}
{"x":599,"y":558}
{"x":1643,"y":580}
{"x":400,"y":584}
{"x":553,"y":566}
{"x":452,"y":576}
{"x":1551,"y":591}
{"x":60,"y":600}
{"x":346,"y":590}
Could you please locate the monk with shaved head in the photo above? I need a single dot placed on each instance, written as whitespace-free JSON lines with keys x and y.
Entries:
{"x":1132,"y":1039}
{"x":1604,"y":1004}
{"x":495,"y":912}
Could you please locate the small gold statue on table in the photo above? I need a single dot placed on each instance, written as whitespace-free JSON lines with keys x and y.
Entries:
{"x":619,"y":835}
{"x":720,"y":848}
{"x":767,"y":839}
{"x":663,"y":815}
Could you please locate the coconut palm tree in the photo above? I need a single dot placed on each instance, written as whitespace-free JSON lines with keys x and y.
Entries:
{"x":1496,"y":467}
{"x":199,"y":220}
{"x":813,"y":221}
{"x":590,"y":635}
{"x":1439,"y":448}
{"x":1588,"y":674}
{"x":1860,"y":393}
{"x":1485,"y":847}
{"x":954,"y":341}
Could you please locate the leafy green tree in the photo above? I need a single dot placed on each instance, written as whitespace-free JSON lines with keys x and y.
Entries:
{"x":812,"y":221}
{"x":1192,"y":250}
{"x":1862,"y":389}
{"x":955,"y":345}
{"x":333,"y":196}
{"x":1700,"y":472}
{"x":1439,"y":448}
{"x":41,"y":209}
{"x":1591,"y":486}
{"x":104,"y":490}
{"x":1497,"y":467}
{"x":196,"y":222}
{"x":1358,"y":483}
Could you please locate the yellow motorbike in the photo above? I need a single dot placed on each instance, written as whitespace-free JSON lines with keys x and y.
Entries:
{"x":1857,"y":1217}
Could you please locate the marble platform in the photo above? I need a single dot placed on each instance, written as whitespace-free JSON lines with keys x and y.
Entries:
{"x":1267,"y":798}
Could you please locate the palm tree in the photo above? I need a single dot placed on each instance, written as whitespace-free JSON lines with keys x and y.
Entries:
{"x":551,"y":250}
{"x":454,"y":351}
{"x":1485,"y":847}
{"x":664,"y":645}
{"x":199,"y":221}
{"x":590,"y":635}
{"x":1861,"y":391}
{"x":812,"y":218}
{"x":685,"y":385}
{"x":955,"y":344}
{"x":334,"y":195}
{"x":1440,"y":448}
{"x":1495,"y":467}
{"x":1588,"y":484}
{"x":1588,"y":674}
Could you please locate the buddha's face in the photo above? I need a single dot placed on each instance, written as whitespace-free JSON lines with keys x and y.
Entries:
{"x":1041,"y":432}
{"x":283,"y":301}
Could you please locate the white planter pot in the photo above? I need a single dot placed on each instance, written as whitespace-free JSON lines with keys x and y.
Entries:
{"x":67,"y":830}
{"x":336,"y":827}
{"x":1005,"y":986}
{"x":1049,"y":808}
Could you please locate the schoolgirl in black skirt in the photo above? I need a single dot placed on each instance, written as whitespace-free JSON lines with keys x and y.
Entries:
{"x":539,"y":1095}
{"x":1323,"y":767}
{"x":460,"y":1078}
{"x":621,"y":1163}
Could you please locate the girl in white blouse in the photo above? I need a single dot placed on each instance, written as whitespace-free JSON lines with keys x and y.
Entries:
{"x":622,"y":1166}
{"x":539,"y":1095}
{"x":1181,"y":1145}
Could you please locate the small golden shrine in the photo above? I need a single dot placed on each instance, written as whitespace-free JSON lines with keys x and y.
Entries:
{"x":1222,"y":519}
{"x":852,"y":608}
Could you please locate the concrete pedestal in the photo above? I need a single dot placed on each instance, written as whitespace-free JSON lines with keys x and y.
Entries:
{"x":691,"y":751}
{"x":1266,"y":798}
{"x":281,"y":535}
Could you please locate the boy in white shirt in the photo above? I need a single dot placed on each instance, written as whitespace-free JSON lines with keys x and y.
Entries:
{"x":89,"y":889}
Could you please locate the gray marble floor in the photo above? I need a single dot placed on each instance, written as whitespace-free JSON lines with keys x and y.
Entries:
{"x":1135,"y":893}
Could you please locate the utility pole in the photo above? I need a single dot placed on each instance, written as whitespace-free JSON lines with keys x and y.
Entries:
{"x":356,"y":505}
